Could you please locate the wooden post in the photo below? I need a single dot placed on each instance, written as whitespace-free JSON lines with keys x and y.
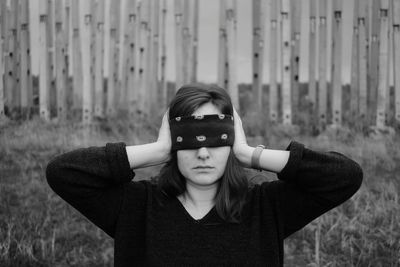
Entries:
{"x":194,"y":63}
{"x":16,"y":96}
{"x":106,"y":45}
{"x":231,"y":13}
{"x":322,"y":55}
{"x":60,"y":63}
{"x":44,"y":66}
{"x":143,"y":55}
{"x":68,"y":39}
{"x":223,"y":49}
{"x":118,"y":51}
{"x":123,"y":59}
{"x":147,"y":86}
{"x":25,"y":73}
{"x":163,"y":80}
{"x":131,"y":53}
{"x":186,"y":39}
{"x":373,"y":61}
{"x":86,"y":28}
{"x":11,"y":58}
{"x":258,"y":52}
{"x":2,"y":19}
{"x":396,"y":45}
{"x":92,"y":62}
{"x":150,"y":72}
{"x":337,"y":64}
{"x":62,"y":57}
{"x":312,"y":86}
{"x":98,"y":68}
{"x":34,"y":17}
{"x":286,"y":55}
{"x":178,"y":43}
{"x":154,"y":57}
{"x":111,"y":81}
{"x":354,"y":86}
{"x":76,"y":57}
{"x":188,"y":32}
{"x":362,"y":59}
{"x":52,"y":40}
{"x":296,"y":33}
{"x":390,"y":100}
{"x":273,"y":85}
{"x":383,"y":85}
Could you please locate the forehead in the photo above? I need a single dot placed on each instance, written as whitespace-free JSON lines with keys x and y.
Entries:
{"x":207,"y":108}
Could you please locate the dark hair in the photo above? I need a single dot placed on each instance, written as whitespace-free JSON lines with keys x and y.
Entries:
{"x":233,"y":185}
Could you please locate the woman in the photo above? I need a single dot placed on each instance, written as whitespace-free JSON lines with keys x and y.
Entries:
{"x":201,"y":211}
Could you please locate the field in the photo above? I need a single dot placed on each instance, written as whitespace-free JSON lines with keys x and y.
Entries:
{"x":38,"y":229}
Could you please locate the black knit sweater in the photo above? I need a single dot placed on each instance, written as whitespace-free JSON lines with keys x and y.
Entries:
{"x":151,"y":229}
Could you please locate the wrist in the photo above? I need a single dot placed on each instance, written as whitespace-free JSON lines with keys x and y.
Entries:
{"x":146,"y":155}
{"x":255,"y":157}
{"x":164,"y":150}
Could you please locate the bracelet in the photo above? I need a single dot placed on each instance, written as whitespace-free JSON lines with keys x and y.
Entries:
{"x":255,"y":158}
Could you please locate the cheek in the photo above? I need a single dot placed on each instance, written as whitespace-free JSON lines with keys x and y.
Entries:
{"x":223,"y":158}
{"x":183,"y":160}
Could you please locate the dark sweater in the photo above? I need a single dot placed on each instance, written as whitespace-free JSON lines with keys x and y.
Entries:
{"x":151,"y":229}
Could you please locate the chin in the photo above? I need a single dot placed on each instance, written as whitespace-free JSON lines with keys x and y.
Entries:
{"x":205,"y":181}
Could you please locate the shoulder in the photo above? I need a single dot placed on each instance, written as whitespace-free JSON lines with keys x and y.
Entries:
{"x":138,"y":197}
{"x":260,"y":183}
{"x":137,"y":191}
{"x":144,"y":191}
{"x":262,"y":201}
{"x":141,"y":187}
{"x":265,"y":191}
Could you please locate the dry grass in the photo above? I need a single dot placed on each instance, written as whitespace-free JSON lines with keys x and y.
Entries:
{"x":38,"y":229}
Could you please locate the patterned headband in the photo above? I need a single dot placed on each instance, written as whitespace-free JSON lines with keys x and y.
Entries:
{"x":195,"y":131}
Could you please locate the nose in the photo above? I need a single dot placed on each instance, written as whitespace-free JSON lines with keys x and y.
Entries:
{"x":202,"y":153}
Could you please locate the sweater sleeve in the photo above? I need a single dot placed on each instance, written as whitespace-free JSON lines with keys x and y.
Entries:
{"x":311,"y":184}
{"x":92,"y":181}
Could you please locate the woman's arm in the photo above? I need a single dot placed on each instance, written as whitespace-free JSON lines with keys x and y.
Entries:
{"x":310,"y":184}
{"x":140,"y":156}
{"x":146,"y":155}
{"x":270,"y":159}
{"x":91,"y":180}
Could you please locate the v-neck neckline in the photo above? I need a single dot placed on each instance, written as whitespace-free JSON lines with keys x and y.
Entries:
{"x":190,"y":217}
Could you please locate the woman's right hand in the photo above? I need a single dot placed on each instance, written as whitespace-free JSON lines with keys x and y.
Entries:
{"x":152,"y":154}
{"x":164,"y":136}
{"x":240,"y":147}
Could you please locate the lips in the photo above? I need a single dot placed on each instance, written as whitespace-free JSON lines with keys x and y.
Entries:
{"x":203,"y":167}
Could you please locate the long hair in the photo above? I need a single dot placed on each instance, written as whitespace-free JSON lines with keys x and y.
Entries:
{"x":233,"y":184}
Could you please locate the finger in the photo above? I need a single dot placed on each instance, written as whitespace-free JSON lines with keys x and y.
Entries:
{"x":234,"y":111}
{"x":166,"y":117}
{"x":236,"y":116}
{"x":167,"y":113}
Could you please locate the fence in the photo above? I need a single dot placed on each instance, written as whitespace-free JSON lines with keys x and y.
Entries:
{"x":97,"y":56}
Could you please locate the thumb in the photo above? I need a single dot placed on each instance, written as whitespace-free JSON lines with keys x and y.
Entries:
{"x":240,"y":137}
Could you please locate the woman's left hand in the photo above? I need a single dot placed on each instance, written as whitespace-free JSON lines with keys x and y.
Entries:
{"x":240,"y":147}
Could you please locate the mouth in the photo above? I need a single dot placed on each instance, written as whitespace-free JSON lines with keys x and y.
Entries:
{"x":203,"y":168}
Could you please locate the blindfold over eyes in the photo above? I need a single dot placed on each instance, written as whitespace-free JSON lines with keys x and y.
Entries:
{"x":195,"y":131}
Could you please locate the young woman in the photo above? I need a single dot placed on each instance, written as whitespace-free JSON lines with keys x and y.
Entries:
{"x":201,"y":211}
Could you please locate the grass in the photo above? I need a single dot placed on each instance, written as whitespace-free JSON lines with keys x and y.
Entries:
{"x":38,"y":229}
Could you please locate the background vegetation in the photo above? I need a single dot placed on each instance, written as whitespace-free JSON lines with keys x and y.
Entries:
{"x":38,"y":229}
